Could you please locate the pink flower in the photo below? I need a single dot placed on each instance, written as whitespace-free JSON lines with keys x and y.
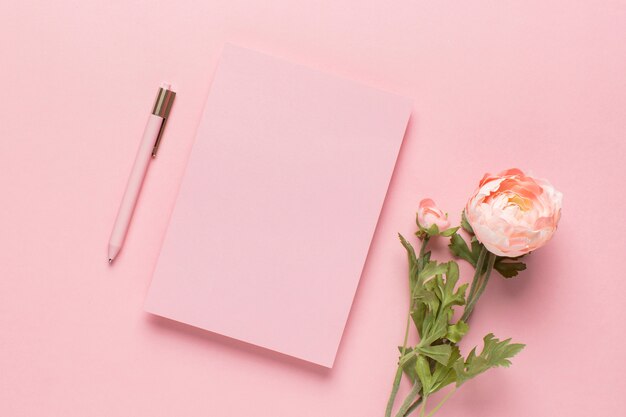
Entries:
{"x":428,"y":214}
{"x":512,"y":213}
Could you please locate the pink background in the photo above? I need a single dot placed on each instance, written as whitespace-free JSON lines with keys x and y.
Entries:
{"x":535,"y":84}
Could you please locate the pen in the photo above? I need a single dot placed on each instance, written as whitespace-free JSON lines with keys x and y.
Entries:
{"x":147,"y":150}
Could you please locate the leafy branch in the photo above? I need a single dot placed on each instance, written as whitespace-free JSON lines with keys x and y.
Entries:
{"x":436,"y":362}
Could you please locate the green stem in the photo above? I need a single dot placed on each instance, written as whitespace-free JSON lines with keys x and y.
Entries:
{"x":423,"y":410}
{"x":394,"y":391}
{"x":420,"y":259}
{"x":480,"y":288}
{"x":405,"y":358}
{"x":479,"y":270}
{"x":398,"y":377}
{"x":409,"y":399}
{"x":413,"y":407}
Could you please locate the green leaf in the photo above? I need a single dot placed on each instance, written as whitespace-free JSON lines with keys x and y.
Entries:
{"x":445,"y":290}
{"x":508,"y":267}
{"x":422,"y":368}
{"x":431,"y":269}
{"x":409,"y":249}
{"x":457,"y":331}
{"x":476,"y":247}
{"x":465,"y":224}
{"x":449,"y":232}
{"x":426,"y":297}
{"x":433,"y":230}
{"x":454,"y":356}
{"x":495,"y":353}
{"x":443,"y":376}
{"x":457,"y":298}
{"x":409,"y":366}
{"x":446,"y":375}
{"x":439,"y":353}
{"x":452,"y":275}
{"x":412,"y":261}
{"x":433,"y":328}
{"x":459,"y":248}
{"x":417,"y":315}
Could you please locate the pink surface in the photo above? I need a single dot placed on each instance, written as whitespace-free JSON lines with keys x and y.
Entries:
{"x":278,"y":205}
{"x":536,"y":84}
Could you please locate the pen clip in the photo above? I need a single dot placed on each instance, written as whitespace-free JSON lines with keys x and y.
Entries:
{"x":162,"y":107}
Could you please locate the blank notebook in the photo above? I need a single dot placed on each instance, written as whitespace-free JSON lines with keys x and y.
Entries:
{"x":278,"y":205}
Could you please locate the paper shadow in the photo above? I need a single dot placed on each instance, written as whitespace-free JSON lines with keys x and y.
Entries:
{"x":197,"y":335}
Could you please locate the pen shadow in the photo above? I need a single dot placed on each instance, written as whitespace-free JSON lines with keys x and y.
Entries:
{"x":237,"y":347}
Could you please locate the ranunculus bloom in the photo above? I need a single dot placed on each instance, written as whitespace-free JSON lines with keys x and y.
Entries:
{"x":513,"y":214}
{"x":428,"y":214}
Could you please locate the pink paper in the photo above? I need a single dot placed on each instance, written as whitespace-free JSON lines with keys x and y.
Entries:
{"x":278,"y":206}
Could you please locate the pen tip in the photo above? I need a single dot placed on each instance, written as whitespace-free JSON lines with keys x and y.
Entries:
{"x":110,"y":260}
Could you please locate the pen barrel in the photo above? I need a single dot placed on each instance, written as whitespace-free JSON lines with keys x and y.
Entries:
{"x":134,"y":184}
